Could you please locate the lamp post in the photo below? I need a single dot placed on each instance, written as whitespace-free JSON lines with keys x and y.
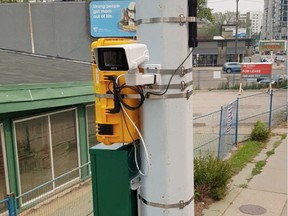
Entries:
{"x":236,"y":35}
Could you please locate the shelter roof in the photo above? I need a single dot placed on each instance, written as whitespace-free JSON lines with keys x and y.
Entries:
{"x":24,"y":68}
{"x":29,"y":82}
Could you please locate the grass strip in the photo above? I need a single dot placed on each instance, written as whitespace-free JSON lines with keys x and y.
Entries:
{"x":258,"y":167}
{"x":245,"y":155}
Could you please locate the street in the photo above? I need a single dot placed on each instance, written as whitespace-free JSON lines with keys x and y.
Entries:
{"x":204,"y":77}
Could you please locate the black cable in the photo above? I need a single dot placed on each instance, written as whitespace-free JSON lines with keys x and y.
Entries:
{"x":126,"y":125}
{"x":169,"y":83}
{"x":136,"y":89}
{"x":122,"y":127}
{"x":109,"y":89}
{"x":119,"y":96}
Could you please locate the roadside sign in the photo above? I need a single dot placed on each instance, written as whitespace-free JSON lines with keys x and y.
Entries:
{"x":275,"y":45}
{"x":228,"y":123}
{"x":112,"y":19}
{"x":256,"y":70}
{"x":216,"y":74}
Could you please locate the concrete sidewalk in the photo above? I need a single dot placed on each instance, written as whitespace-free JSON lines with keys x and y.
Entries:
{"x":265,"y":194}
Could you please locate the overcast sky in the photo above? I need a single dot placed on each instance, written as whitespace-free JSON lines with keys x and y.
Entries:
{"x":230,"y":5}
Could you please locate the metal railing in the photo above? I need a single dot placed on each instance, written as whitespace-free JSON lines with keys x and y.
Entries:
{"x":70,"y":198}
{"x":8,"y":206}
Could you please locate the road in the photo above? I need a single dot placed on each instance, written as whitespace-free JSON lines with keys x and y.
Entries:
{"x":204,"y":77}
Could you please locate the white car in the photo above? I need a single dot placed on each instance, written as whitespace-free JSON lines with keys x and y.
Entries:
{"x":280,"y":58}
{"x":267,"y":59}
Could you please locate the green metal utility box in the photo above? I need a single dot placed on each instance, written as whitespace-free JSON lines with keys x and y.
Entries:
{"x":112,"y":169}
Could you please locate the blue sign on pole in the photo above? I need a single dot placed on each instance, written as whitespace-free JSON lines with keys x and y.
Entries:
{"x":112,"y":19}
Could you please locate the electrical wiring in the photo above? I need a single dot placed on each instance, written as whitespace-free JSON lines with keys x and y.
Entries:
{"x":122,"y":127}
{"x":135,"y":147}
{"x":123,"y":116}
{"x":136,"y":89}
{"x":169,"y":83}
{"x":143,"y":142}
{"x":140,"y":135}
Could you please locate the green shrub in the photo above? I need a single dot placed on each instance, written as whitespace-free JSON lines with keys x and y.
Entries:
{"x":260,"y":132}
{"x":211,"y":177}
{"x":283,"y":84}
{"x":223,"y":86}
{"x":252,"y":86}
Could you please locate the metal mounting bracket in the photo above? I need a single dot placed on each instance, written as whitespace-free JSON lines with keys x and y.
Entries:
{"x":181,"y":20}
{"x":182,"y":71}
{"x":135,"y":183}
{"x":181,"y":204}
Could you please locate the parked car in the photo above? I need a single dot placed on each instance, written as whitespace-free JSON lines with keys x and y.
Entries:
{"x":267,"y":59}
{"x":280,"y":58}
{"x":229,"y":67}
{"x":275,"y":79}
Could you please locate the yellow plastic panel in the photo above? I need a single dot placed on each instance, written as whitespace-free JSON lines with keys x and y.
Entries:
{"x":112,"y":127}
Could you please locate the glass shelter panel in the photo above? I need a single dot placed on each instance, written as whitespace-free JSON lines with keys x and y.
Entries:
{"x":33,"y":148}
{"x":64,"y":145}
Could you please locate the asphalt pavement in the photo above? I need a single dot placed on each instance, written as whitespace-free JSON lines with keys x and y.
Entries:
{"x":263,"y":194}
{"x":205,"y":78}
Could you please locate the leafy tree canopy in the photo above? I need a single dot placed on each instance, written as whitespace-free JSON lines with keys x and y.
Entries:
{"x":204,"y":12}
{"x":224,"y":18}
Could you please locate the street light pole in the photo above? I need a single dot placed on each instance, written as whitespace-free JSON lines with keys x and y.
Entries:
{"x":167,"y":126}
{"x":236,"y":35}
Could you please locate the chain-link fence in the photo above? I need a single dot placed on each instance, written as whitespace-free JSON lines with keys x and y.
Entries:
{"x":216,"y":133}
{"x":206,"y":134}
{"x":252,"y":109}
{"x":72,"y":198}
{"x":208,"y":78}
{"x":279,"y":107}
{"x":228,"y":129}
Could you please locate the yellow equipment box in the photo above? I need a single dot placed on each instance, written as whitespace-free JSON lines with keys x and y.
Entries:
{"x":112,"y":124}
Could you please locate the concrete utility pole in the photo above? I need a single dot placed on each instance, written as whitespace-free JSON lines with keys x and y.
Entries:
{"x":168,"y":188}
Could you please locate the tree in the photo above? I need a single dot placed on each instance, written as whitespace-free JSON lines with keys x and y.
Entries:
{"x":203,"y":12}
{"x":224,"y":18}
{"x":208,"y":31}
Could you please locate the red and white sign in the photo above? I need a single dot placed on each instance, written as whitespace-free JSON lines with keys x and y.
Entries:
{"x":250,"y":70}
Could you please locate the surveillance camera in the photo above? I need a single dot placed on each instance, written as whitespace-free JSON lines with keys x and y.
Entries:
{"x":122,"y":57}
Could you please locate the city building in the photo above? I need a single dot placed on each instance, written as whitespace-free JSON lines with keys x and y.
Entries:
{"x":274,"y":20}
{"x":218,"y":51}
{"x":254,"y":19}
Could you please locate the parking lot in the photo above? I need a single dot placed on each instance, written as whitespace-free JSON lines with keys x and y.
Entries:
{"x":205,"y":78}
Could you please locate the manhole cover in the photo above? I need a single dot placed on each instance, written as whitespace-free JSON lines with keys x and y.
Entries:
{"x":252,"y":209}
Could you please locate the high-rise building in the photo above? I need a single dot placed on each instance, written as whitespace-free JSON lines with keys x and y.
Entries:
{"x":255,"y":18}
{"x":282,"y":20}
{"x":253,"y":23}
{"x":274,"y":20}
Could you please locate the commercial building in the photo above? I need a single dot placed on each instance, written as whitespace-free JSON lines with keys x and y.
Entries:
{"x":217,"y":52}
{"x":274,"y":20}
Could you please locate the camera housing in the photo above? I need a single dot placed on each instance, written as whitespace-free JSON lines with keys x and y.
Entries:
{"x":124,"y":57}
